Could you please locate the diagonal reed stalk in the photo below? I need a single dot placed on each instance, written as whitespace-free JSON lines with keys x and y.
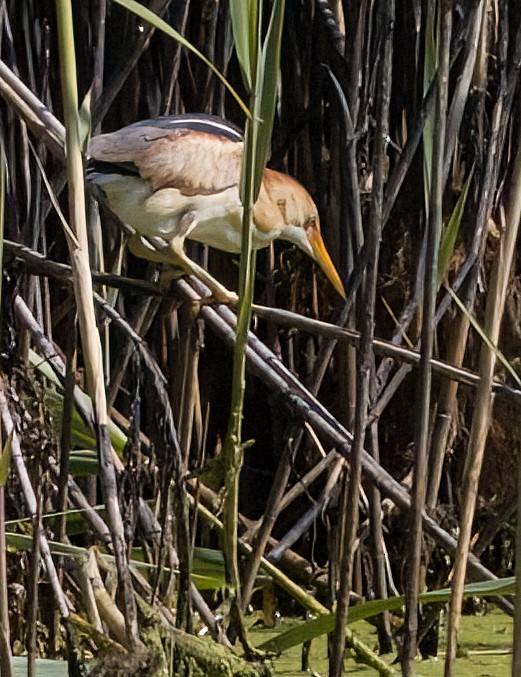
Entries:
{"x":78,"y":248}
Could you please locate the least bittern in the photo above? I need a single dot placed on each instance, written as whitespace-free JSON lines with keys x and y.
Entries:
{"x":177,"y":177}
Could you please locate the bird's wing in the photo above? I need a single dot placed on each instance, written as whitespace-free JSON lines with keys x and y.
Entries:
{"x":197,"y":155}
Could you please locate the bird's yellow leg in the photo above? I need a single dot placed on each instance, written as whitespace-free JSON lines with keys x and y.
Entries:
{"x":219,"y":291}
{"x":174,"y":254}
{"x":157,"y":252}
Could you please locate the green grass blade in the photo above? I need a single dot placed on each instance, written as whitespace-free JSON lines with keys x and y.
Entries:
{"x":208,"y":565}
{"x":448,"y":239}
{"x":83,"y":463}
{"x":251,"y":176}
{"x":5,"y":460}
{"x":244,"y":19}
{"x":82,"y":435}
{"x":324,"y":624}
{"x":429,"y":71}
{"x":490,"y":344}
{"x":268,"y":80}
{"x":157,"y":22}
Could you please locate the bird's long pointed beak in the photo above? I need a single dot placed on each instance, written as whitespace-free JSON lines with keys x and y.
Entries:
{"x":324,"y":260}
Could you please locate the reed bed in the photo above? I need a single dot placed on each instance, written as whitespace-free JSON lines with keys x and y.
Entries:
{"x":374,"y":448}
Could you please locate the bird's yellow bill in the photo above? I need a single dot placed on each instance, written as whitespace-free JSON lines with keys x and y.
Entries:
{"x":324,"y":260}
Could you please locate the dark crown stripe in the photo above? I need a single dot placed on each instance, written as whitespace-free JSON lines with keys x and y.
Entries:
{"x":210,"y":124}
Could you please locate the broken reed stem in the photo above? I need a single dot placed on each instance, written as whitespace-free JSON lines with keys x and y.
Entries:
{"x":87,"y":591}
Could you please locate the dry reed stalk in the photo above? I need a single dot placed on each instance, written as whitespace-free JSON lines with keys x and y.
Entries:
{"x":496,"y":296}
{"x":364,"y":654}
{"x":63,"y":603}
{"x":264,"y":364}
{"x":421,"y":440}
{"x":365,"y":366}
{"x":79,"y":255}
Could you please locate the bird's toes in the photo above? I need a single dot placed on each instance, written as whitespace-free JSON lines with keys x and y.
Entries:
{"x":227,"y":298}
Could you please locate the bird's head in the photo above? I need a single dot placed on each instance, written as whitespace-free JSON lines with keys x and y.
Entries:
{"x":285,"y":205}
